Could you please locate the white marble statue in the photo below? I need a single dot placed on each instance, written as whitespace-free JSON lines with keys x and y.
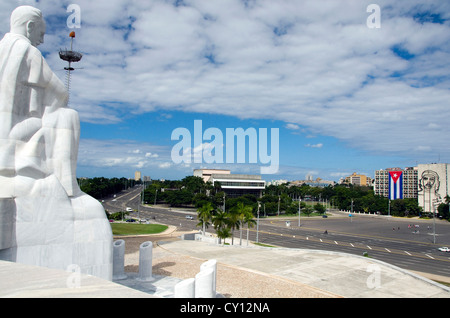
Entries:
{"x":45,"y":219}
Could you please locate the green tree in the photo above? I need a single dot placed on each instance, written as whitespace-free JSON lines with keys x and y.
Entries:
{"x":307,"y":210}
{"x":241,"y":213}
{"x":234,"y":219}
{"x":249,"y":219}
{"x":204,"y":214}
{"x":223,"y":233}
{"x":319,"y":208}
{"x":220,"y":223}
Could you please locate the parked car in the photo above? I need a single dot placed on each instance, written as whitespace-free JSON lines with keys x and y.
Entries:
{"x":444,"y":249}
{"x":189,"y":217}
{"x":131,"y":220}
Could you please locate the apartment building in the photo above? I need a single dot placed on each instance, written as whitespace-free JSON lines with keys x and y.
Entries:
{"x":381,"y":182}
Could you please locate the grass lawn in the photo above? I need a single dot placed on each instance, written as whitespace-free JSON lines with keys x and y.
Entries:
{"x":136,"y":228}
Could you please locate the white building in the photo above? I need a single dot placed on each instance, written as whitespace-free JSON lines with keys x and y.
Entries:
{"x":205,"y":174}
{"x":233,"y":185}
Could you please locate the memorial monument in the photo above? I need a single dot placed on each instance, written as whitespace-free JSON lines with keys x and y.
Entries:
{"x":45,"y":219}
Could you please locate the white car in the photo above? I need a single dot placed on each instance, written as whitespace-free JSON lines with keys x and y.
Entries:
{"x":444,"y":249}
{"x":189,"y":217}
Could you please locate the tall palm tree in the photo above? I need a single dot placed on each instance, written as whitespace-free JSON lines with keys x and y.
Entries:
{"x":240,"y":212}
{"x":223,"y":233}
{"x":204,"y":215}
{"x":234,"y":219}
{"x":220,"y":223}
{"x":249,"y":218}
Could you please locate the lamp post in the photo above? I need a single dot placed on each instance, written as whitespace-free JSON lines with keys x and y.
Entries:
{"x":299,"y":210}
{"x":224,"y":202}
{"x":257,"y":223}
{"x":279,"y":198}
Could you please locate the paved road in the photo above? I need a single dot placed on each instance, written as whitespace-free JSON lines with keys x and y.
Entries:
{"x":384,"y":238}
{"x":375,"y":236}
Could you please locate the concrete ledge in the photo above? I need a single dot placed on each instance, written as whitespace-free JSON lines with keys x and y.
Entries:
{"x":26,"y":281}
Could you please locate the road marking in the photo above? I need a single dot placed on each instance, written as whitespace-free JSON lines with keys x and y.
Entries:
{"x":335,"y":242}
{"x":429,"y":256}
{"x":387,"y":250}
{"x":407,"y":253}
{"x":321,"y":240}
{"x":307,"y":238}
{"x":369,"y":247}
{"x":352,"y":245}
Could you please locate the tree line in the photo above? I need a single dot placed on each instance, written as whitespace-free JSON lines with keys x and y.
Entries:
{"x":101,"y":188}
{"x":192,"y":191}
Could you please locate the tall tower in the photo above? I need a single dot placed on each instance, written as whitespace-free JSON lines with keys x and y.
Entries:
{"x":71,"y":57}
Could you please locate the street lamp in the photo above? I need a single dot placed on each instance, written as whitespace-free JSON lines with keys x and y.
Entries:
{"x":279,"y":198}
{"x":299,"y":210}
{"x":257,"y":223}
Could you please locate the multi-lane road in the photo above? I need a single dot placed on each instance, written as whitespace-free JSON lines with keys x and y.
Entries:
{"x":411,"y":244}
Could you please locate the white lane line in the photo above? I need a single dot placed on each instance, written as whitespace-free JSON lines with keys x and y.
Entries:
{"x":369,"y":247}
{"x":387,"y":250}
{"x":407,"y":253}
{"x":429,"y":256}
{"x":336,"y":242}
{"x":352,"y":245}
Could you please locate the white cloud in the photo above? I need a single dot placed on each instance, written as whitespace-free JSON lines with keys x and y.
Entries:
{"x":292,"y":126}
{"x":312,"y":64}
{"x":319,"y":145}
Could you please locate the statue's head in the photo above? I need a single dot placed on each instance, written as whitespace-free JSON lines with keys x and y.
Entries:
{"x":28,"y":21}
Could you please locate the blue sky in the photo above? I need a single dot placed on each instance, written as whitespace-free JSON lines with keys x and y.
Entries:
{"x":345,"y":97}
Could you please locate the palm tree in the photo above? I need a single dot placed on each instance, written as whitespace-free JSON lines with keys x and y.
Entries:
{"x":234,"y":219}
{"x":249,"y":219}
{"x":220,"y":223}
{"x":204,"y":215}
{"x":223,"y":233}
{"x":241,"y":211}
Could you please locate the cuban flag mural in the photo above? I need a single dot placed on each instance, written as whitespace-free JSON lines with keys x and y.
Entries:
{"x":395,"y":185}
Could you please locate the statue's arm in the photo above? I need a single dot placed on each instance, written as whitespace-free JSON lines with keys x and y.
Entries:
{"x":49,"y":89}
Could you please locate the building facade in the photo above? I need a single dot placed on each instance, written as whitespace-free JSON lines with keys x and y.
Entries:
{"x":428,"y":183}
{"x":381,"y":182}
{"x":433,"y":185}
{"x":358,"y":179}
{"x":235,"y":185}
{"x":205,"y":174}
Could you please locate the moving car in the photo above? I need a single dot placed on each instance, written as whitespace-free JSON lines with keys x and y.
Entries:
{"x":444,"y":249}
{"x":189,"y":217}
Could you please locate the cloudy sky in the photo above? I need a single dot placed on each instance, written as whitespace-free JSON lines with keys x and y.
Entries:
{"x":346,"y":96}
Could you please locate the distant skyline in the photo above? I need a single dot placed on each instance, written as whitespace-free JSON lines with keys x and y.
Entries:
{"x":345,"y":96}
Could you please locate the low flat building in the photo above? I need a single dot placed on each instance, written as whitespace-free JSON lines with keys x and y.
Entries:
{"x":205,"y":174}
{"x":235,"y":185}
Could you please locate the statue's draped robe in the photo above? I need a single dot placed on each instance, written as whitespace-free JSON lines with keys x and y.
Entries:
{"x":45,"y":219}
